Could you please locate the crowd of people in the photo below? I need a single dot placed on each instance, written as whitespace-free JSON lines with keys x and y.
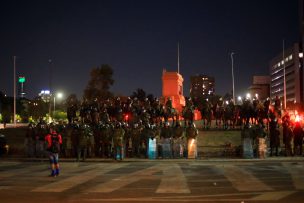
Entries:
{"x":116,"y":128}
{"x":293,"y":135}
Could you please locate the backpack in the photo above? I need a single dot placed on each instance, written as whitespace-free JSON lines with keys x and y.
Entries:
{"x":55,"y":145}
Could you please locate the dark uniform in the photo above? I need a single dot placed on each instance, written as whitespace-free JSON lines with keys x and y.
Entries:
{"x":105,"y":138}
{"x":274,"y":137}
{"x":118,"y":135}
{"x":191,"y":132}
{"x":178,"y":145}
{"x":288,"y":141}
{"x":298,"y":138}
{"x":147,"y":133}
{"x":136,"y":138}
{"x":83,"y":138}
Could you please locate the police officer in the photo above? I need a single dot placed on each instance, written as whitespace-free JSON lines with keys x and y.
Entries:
{"x":29,"y":140}
{"x":191,"y":132}
{"x":82,"y":142}
{"x":118,"y":135}
{"x":165,"y":149}
{"x":135,"y":136}
{"x":147,"y":133}
{"x":39,"y":139}
{"x":298,"y":138}
{"x":288,"y":141}
{"x":274,"y":137}
{"x":178,"y":133}
{"x":106,"y":139}
{"x":68,"y":148}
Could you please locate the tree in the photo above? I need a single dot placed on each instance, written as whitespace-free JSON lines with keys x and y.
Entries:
{"x":140,"y":94}
{"x":37,"y":108}
{"x":72,"y":101}
{"x":6,"y":107}
{"x":99,"y":85}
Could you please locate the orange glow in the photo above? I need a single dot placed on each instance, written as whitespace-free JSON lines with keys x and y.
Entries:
{"x":192,"y":142}
{"x":173,"y":88}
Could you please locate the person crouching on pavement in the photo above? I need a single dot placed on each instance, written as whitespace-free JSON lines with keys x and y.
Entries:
{"x":53,"y":140}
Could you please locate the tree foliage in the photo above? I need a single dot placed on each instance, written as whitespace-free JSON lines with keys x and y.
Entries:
{"x":99,"y":84}
{"x":140,"y":94}
{"x":6,"y":107}
{"x":72,"y":101}
{"x":37,"y":108}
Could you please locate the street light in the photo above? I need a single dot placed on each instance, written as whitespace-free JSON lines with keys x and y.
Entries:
{"x":248,"y":96}
{"x":59,"y":95}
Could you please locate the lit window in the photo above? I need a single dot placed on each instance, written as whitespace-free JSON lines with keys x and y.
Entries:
{"x":290,"y":57}
{"x":301,"y":55}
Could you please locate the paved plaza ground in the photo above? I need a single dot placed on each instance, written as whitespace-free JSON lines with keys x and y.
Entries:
{"x":131,"y":180}
{"x":213,"y":177}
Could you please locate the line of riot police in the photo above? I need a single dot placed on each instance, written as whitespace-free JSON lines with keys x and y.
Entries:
{"x":113,"y":140}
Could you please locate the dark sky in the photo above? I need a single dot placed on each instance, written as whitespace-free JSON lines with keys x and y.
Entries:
{"x":139,"y":38}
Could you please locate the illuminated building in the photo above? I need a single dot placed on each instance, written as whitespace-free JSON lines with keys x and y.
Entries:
{"x":45,"y":95}
{"x":291,"y":64}
{"x":202,"y":86}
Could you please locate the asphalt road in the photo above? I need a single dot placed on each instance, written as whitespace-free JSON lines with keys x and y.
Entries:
{"x":154,"y":181}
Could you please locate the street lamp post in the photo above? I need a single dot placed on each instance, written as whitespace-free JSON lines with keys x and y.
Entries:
{"x":284,"y":77}
{"x":15,"y":121}
{"x":50,"y":88}
{"x":232,"y":72}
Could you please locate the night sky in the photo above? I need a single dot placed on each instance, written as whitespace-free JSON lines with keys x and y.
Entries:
{"x":139,"y":38}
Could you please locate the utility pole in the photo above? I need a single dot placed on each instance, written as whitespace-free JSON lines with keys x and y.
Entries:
{"x":178,"y":57}
{"x":284,"y":75}
{"x":50,"y":86}
{"x":232,"y":72}
{"x":15,"y":124}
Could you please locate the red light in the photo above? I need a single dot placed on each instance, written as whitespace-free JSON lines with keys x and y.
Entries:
{"x":126,"y":117}
{"x":298,"y":119}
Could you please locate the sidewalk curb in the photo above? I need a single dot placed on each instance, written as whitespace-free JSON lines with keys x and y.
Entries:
{"x":206,"y":160}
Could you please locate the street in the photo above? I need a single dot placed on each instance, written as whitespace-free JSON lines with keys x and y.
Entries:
{"x":154,"y":181}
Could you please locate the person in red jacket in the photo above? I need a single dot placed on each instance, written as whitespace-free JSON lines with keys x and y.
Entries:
{"x":53,"y":140}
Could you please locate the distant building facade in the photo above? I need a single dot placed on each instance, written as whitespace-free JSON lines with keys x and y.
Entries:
{"x":260,"y":87}
{"x":202,"y":86}
{"x":45,"y":95}
{"x":293,"y":78}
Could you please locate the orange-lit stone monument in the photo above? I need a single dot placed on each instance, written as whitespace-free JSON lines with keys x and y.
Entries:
{"x":173,"y":88}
